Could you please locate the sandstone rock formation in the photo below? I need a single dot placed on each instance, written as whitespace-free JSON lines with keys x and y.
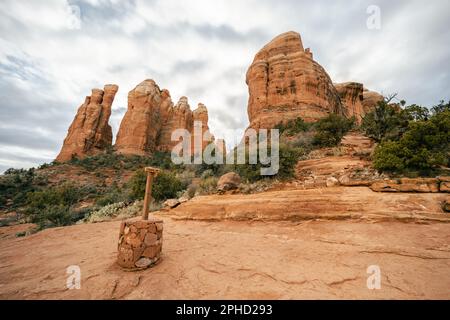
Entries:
{"x":90,"y":132}
{"x":351,"y":94}
{"x":148,"y":108}
{"x":152,"y":117}
{"x":285,"y":83}
{"x":356,"y":100}
{"x":179,"y":117}
{"x":370,"y":100}
{"x":221,"y":146}
{"x":200,"y":129}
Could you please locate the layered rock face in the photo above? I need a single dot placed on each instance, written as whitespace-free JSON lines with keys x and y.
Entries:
{"x":152,"y":117}
{"x":179,"y":116}
{"x":351,"y":94}
{"x":285,"y":83}
{"x":356,"y":100}
{"x":90,"y":133}
{"x":148,"y":109}
{"x":200,"y":129}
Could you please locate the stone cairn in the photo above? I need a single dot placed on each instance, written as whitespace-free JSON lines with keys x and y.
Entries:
{"x":140,"y":242}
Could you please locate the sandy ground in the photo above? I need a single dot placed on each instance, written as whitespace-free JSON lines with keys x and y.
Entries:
{"x":236,"y":260}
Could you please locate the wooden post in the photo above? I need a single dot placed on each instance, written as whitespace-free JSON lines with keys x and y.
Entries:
{"x":151,"y":173}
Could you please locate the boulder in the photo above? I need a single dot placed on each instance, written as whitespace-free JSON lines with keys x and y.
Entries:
{"x":171,"y":203}
{"x":90,"y":132}
{"x":183,"y":199}
{"x":229,"y":181}
{"x":332,"y":182}
{"x":347,"y":181}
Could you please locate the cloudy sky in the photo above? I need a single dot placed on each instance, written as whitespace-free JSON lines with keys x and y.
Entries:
{"x":52,"y":52}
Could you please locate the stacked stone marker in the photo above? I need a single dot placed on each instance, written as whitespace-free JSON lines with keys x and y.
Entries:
{"x":140,"y":242}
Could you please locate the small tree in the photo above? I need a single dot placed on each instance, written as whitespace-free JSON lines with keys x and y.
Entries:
{"x":424,"y":146}
{"x":331,"y":130}
{"x":165,"y":186}
{"x":385,"y":122}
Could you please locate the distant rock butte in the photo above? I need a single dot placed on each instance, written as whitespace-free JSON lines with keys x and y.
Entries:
{"x":284,"y":83}
{"x":90,"y":133}
{"x":152,"y":117}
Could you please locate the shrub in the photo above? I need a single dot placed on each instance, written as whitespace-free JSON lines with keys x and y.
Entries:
{"x":111,"y":195}
{"x":293,"y":127}
{"x":133,"y":210}
{"x":417,"y":113}
{"x":65,"y":195}
{"x":288,"y":158}
{"x":14,"y":185}
{"x":106,"y":213}
{"x":52,"y":207}
{"x":54,"y":216}
{"x":191,"y":190}
{"x":424,"y":146}
{"x":331,"y":129}
{"x":208,"y":185}
{"x":165,"y":186}
{"x":119,"y":161}
{"x":207,"y":173}
{"x":441,"y":107}
{"x":186,"y":176}
{"x":386,"y":122}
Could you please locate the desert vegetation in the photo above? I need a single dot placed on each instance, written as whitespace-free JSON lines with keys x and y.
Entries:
{"x":412,"y":140}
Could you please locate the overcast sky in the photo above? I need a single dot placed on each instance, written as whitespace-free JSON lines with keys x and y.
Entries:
{"x":52,"y":52}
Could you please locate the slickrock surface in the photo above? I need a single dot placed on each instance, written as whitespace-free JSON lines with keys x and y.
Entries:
{"x":90,"y":132}
{"x":152,"y":117}
{"x":337,"y":203}
{"x":236,"y":260}
{"x":284,"y":82}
